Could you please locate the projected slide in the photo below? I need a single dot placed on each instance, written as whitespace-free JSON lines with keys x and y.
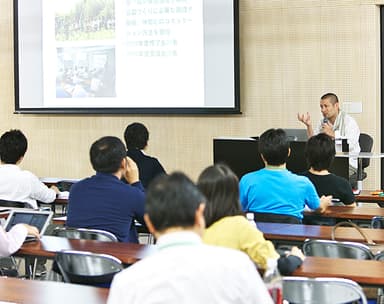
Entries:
{"x":126,"y":54}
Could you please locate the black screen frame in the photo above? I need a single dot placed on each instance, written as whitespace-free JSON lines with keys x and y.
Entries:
{"x":235,"y":109}
{"x":242,"y":156}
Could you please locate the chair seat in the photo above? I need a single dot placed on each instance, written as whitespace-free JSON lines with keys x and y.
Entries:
{"x":301,"y":290}
{"x":336,"y":249}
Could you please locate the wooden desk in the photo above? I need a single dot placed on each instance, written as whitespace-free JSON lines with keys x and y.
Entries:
{"x":366,"y":197}
{"x":364,"y":272}
{"x":44,"y":292}
{"x":4,"y":214}
{"x":299,"y":233}
{"x":128,"y":253}
{"x":353,"y":213}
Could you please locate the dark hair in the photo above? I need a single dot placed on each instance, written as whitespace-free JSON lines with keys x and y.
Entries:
{"x":331,"y":96}
{"x":136,"y":136}
{"x":221,"y":188}
{"x":320,"y":151}
{"x":13,"y":145}
{"x":106,"y":154}
{"x":274,"y":146}
{"x":172,"y":201}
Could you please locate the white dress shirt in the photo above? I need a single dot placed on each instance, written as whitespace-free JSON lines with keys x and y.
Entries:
{"x":11,"y":241}
{"x":183,"y":270}
{"x":23,"y":186}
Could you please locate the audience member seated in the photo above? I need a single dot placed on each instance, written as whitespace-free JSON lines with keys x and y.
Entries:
{"x":16,"y":184}
{"x":103,"y":201}
{"x":320,"y":152}
{"x":136,"y":137}
{"x":273,"y":193}
{"x":228,"y":227}
{"x":12,"y":240}
{"x":183,"y":269}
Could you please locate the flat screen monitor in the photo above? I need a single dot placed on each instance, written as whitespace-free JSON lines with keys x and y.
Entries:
{"x":296,"y":134}
{"x":126,"y":56}
{"x":242,"y":156}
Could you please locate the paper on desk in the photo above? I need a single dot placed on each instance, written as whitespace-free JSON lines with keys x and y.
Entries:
{"x":63,"y":195}
{"x":60,"y":218}
{"x":356,"y":191}
{"x":54,"y":180}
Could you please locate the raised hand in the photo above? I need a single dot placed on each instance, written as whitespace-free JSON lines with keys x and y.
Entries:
{"x":305,"y":118}
{"x":131,"y":173}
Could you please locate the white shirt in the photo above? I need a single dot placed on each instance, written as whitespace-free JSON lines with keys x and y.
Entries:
{"x":352,"y":134}
{"x":11,"y":241}
{"x":23,"y":186}
{"x":184,"y":270}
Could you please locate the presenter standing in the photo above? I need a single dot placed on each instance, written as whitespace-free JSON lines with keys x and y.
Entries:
{"x":337,"y":124}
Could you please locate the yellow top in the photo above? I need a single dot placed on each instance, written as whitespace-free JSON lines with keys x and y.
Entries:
{"x":237,"y":233}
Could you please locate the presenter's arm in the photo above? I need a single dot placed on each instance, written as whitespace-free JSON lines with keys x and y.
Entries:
{"x":327,"y":128}
{"x":305,"y":118}
{"x":352,"y":133}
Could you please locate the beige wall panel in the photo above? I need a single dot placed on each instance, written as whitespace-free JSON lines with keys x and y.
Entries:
{"x":292,"y":52}
{"x":299,"y":53}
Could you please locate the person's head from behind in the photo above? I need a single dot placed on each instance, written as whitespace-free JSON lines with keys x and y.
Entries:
{"x":174,"y":202}
{"x":329,"y":105}
{"x":221,"y":188}
{"x":136,"y":136}
{"x":13,"y":145}
{"x":320,"y":152}
{"x":274,"y":147}
{"x":107,"y":154}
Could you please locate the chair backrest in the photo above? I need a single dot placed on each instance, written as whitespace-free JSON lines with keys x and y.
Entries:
{"x":336,"y":249}
{"x":379,"y":256}
{"x":366,"y":144}
{"x":275,"y":218}
{"x":83,"y":233}
{"x":377,"y":222}
{"x":13,"y":204}
{"x":300,"y":290}
{"x":87,"y":268}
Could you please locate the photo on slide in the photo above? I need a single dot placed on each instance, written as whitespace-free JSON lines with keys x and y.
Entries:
{"x":79,"y":20}
{"x":84,"y":72}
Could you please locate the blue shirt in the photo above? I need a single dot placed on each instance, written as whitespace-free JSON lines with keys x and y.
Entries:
{"x":277,"y":191}
{"x":105,"y":202}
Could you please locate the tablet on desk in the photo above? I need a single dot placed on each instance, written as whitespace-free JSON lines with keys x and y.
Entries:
{"x":39,"y":219}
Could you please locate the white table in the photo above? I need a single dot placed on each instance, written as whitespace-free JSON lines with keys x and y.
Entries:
{"x":360,"y":156}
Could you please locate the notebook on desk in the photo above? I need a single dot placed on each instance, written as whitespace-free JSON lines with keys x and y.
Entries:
{"x":39,"y":219}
